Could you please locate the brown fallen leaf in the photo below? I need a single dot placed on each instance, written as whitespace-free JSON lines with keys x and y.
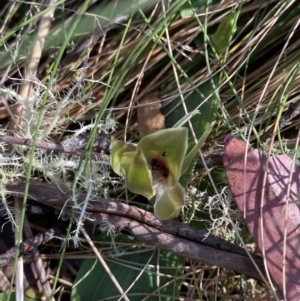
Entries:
{"x":150,"y":119}
{"x":245,"y":182}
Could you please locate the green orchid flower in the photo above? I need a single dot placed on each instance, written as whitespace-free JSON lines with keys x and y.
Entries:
{"x":154,"y":166}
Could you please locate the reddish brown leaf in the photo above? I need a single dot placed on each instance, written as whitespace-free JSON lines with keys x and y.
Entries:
{"x":245,"y":178}
{"x":150,"y":119}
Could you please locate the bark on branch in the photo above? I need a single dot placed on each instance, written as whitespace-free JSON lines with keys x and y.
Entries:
{"x":178,"y":238}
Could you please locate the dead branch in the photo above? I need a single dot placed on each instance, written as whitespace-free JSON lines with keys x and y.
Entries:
{"x":178,"y":238}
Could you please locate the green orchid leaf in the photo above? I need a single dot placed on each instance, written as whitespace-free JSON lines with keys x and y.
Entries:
{"x":191,"y":155}
{"x":118,"y":148}
{"x":226,"y":29}
{"x":94,"y":283}
{"x":167,"y":147}
{"x":138,"y":174}
{"x":168,"y":201}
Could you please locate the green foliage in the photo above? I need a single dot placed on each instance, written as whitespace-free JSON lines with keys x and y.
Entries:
{"x":189,"y":158}
{"x":151,"y":272}
{"x":226,"y":29}
{"x":201,"y":101}
{"x":189,"y":7}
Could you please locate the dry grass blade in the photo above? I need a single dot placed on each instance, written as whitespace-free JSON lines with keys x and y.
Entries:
{"x":112,"y":277}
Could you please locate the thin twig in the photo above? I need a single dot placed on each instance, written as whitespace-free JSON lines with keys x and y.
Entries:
{"x":211,"y":161}
{"x":50,"y":146}
{"x":9,"y":256}
{"x":38,"y":262}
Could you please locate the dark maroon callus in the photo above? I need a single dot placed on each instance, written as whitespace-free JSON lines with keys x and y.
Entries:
{"x":160,"y":166}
